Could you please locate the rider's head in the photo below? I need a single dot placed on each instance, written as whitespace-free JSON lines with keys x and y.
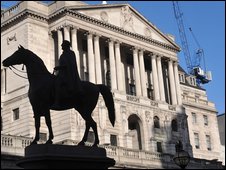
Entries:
{"x":66,"y":45}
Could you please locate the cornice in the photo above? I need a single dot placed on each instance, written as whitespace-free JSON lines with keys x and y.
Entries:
{"x":64,"y":11}
{"x":21,"y":16}
{"x":199,"y":106}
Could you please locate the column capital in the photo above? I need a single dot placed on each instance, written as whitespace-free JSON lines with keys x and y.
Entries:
{"x":89,"y":33}
{"x":50,"y":33}
{"x":96,"y":37}
{"x":135,"y":49}
{"x":75,"y":27}
{"x":175,"y":62}
{"x":110,"y":39}
{"x":170,"y":61}
{"x":141,"y":50}
{"x":66,"y":25}
{"x":118,"y":41}
{"x":59,"y":27}
{"x":159,"y":55}
{"x":152,"y":55}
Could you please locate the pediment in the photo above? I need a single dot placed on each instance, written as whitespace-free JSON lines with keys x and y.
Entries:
{"x":128,"y":18}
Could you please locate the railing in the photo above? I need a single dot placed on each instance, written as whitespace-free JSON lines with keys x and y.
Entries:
{"x":14,"y":145}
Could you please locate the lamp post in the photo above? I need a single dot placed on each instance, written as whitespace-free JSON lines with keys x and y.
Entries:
{"x":181,"y":157}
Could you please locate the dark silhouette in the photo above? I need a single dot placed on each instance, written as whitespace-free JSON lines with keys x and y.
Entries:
{"x":41,"y":95}
{"x":68,"y":82}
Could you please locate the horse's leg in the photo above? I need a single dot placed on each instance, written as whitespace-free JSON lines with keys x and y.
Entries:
{"x":94,"y":127}
{"x":49,"y":125}
{"x":37,"y":127}
{"x":84,"y":139}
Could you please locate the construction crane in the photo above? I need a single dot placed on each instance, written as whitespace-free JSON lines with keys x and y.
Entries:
{"x":193,"y":65}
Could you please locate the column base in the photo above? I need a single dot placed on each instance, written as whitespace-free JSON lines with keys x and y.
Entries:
{"x":46,"y":156}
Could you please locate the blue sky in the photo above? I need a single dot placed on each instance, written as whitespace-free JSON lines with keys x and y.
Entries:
{"x":207,"y":20}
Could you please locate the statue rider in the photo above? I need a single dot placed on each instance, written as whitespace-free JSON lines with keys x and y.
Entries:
{"x":68,"y":82}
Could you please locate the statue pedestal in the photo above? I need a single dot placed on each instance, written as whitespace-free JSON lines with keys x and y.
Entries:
{"x":46,"y":156}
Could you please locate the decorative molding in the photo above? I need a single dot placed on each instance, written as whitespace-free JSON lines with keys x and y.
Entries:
{"x":11,"y":38}
{"x":172,"y":107}
{"x":147,"y":116}
{"x":104,"y":16}
{"x":133,"y":98}
{"x":153,"y":103}
{"x":147,"y":32}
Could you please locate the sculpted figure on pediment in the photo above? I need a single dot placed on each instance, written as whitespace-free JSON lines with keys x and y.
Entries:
{"x":147,"y":32}
{"x":127,"y":19}
{"x":104,"y":16}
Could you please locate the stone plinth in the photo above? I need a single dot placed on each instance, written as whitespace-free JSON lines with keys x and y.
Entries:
{"x":46,"y":156}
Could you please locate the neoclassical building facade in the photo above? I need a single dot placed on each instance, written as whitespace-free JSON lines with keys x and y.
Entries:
{"x":156,"y":104}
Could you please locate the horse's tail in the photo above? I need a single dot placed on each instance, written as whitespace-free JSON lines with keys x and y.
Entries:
{"x":109,"y":102}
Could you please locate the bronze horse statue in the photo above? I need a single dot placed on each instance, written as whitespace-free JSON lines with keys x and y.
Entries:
{"x":41,"y":95}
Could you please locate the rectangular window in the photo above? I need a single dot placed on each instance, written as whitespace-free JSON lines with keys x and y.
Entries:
{"x":196,"y":136}
{"x":208,"y":142}
{"x":205,"y":118}
{"x":181,"y":78}
{"x":132,"y":89}
{"x":113,"y":139}
{"x":194,"y":119}
{"x":16,"y":114}
{"x":159,"y":147}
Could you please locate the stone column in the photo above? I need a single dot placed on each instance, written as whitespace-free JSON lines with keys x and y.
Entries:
{"x":172,"y":83}
{"x":137,"y":72}
{"x":74,"y":41}
{"x":112,"y":65}
{"x":155,"y":77}
{"x":160,"y":76}
{"x":118,"y":66}
{"x":91,"y":64}
{"x":97,"y":59}
{"x":142,"y":73}
{"x":178,"y":90}
{"x":60,"y":40}
{"x":67,"y":33}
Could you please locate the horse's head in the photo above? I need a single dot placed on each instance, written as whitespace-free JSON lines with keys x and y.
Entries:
{"x":18,"y":57}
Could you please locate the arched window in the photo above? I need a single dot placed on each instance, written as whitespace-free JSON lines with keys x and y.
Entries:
{"x":174,"y":125}
{"x":134,"y":126}
{"x":156,"y":122}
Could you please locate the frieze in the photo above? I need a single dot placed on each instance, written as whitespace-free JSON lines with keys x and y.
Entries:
{"x":133,"y":99}
{"x":78,"y":15}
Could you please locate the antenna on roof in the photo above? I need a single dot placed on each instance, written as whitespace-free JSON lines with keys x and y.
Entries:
{"x":104,"y":2}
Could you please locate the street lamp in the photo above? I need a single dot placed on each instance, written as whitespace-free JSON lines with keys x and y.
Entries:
{"x":181,"y":157}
